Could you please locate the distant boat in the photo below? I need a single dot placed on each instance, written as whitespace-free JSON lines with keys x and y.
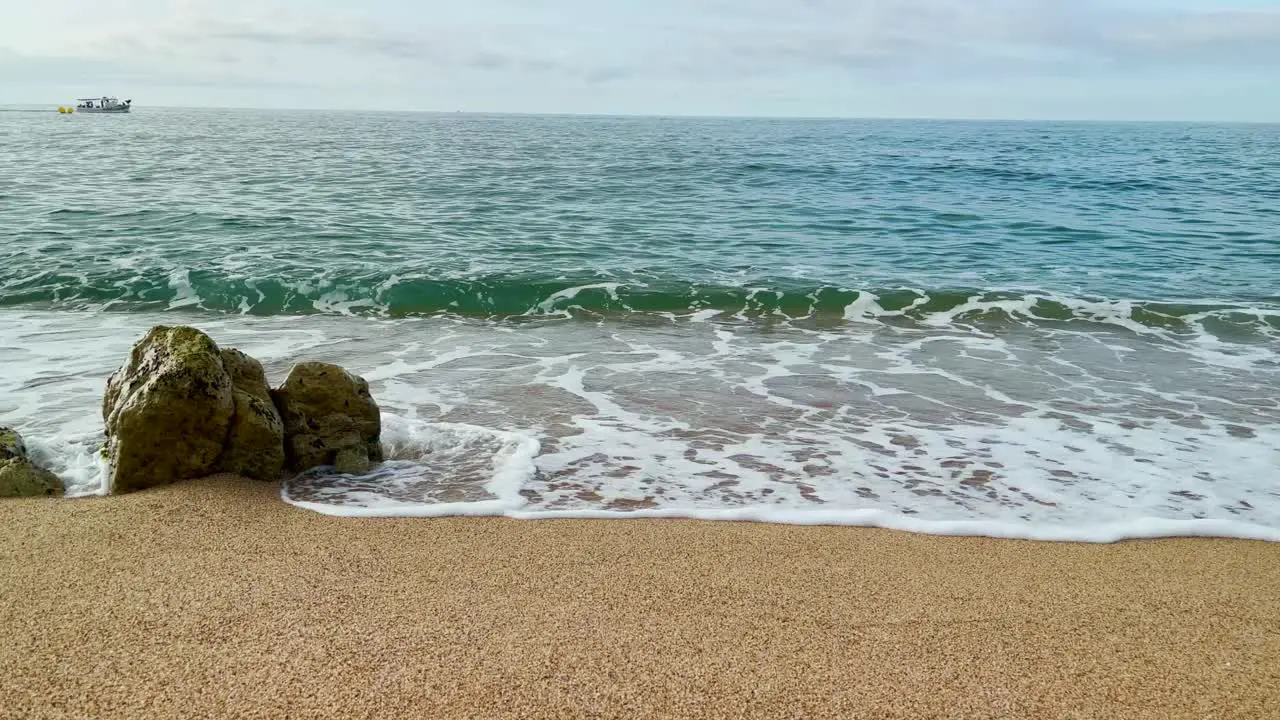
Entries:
{"x":103,"y":104}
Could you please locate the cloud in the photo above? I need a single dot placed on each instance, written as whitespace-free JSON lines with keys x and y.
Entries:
{"x":933,"y":37}
{"x":863,"y":36}
{"x":669,"y":50}
{"x":1191,"y":39}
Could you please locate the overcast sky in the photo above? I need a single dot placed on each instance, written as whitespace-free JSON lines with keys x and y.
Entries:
{"x":1102,"y":59}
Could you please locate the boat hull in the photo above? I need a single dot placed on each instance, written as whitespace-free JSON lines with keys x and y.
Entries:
{"x":108,"y":111}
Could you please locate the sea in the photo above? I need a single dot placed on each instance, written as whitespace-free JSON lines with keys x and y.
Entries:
{"x":1060,"y":331}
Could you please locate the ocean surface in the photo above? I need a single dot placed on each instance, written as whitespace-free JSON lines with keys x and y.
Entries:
{"x":1059,"y":331}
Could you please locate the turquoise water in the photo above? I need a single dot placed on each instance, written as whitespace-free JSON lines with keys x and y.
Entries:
{"x":401,"y":214}
{"x":687,"y":313}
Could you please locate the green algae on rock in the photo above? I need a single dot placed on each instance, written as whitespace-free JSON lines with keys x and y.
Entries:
{"x":11,"y":444}
{"x":19,"y":476}
{"x":168,"y":410}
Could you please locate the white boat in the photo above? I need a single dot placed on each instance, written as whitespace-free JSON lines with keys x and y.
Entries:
{"x":102,"y":105}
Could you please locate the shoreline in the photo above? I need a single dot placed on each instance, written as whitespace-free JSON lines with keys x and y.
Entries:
{"x":214,"y":597}
{"x":1143,"y":528}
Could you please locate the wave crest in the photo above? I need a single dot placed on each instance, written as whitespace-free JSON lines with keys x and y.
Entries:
{"x":500,"y":296}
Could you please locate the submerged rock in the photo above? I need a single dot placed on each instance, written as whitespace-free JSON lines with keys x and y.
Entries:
{"x":168,"y":410}
{"x":255,"y":443}
{"x":19,"y":476}
{"x":329,"y":419}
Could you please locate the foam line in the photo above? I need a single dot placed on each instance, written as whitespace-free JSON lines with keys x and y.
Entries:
{"x":1138,"y":528}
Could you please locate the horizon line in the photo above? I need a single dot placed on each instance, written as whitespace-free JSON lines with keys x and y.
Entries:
{"x":689,"y":116}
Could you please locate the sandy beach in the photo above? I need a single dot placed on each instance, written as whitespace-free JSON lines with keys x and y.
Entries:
{"x":215,"y":599}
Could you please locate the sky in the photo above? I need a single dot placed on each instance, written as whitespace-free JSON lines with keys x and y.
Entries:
{"x":1020,"y":59}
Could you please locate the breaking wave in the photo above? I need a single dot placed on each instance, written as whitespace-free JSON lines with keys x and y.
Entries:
{"x":502,"y":296}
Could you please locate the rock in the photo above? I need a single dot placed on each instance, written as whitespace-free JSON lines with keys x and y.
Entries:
{"x":328,"y":416}
{"x":168,"y":410}
{"x":352,"y":459}
{"x":255,"y":444}
{"x":23,"y":478}
{"x":11,"y":445}
{"x":19,"y":476}
{"x":246,"y":373}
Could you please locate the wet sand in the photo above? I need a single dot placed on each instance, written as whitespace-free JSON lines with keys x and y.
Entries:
{"x":216,"y":599}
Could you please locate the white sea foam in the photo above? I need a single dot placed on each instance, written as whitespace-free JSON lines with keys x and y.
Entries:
{"x":1047,"y":433}
{"x":561,"y":300}
{"x":339,"y":303}
{"x":184,"y":294}
{"x":432,"y":470}
{"x":1135,"y":528}
{"x":866,"y":307}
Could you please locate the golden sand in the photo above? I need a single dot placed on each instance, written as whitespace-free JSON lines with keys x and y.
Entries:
{"x":215,"y":599}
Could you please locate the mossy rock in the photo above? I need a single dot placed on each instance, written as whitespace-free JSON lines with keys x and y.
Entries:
{"x":19,"y":476}
{"x":168,"y":410}
{"x":328,"y":414}
{"x":11,"y":444}
{"x":255,"y":445}
{"x":22,"y":478}
{"x":246,"y":374}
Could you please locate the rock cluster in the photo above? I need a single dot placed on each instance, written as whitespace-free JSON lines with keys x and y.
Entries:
{"x":181,"y":407}
{"x":19,"y":476}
